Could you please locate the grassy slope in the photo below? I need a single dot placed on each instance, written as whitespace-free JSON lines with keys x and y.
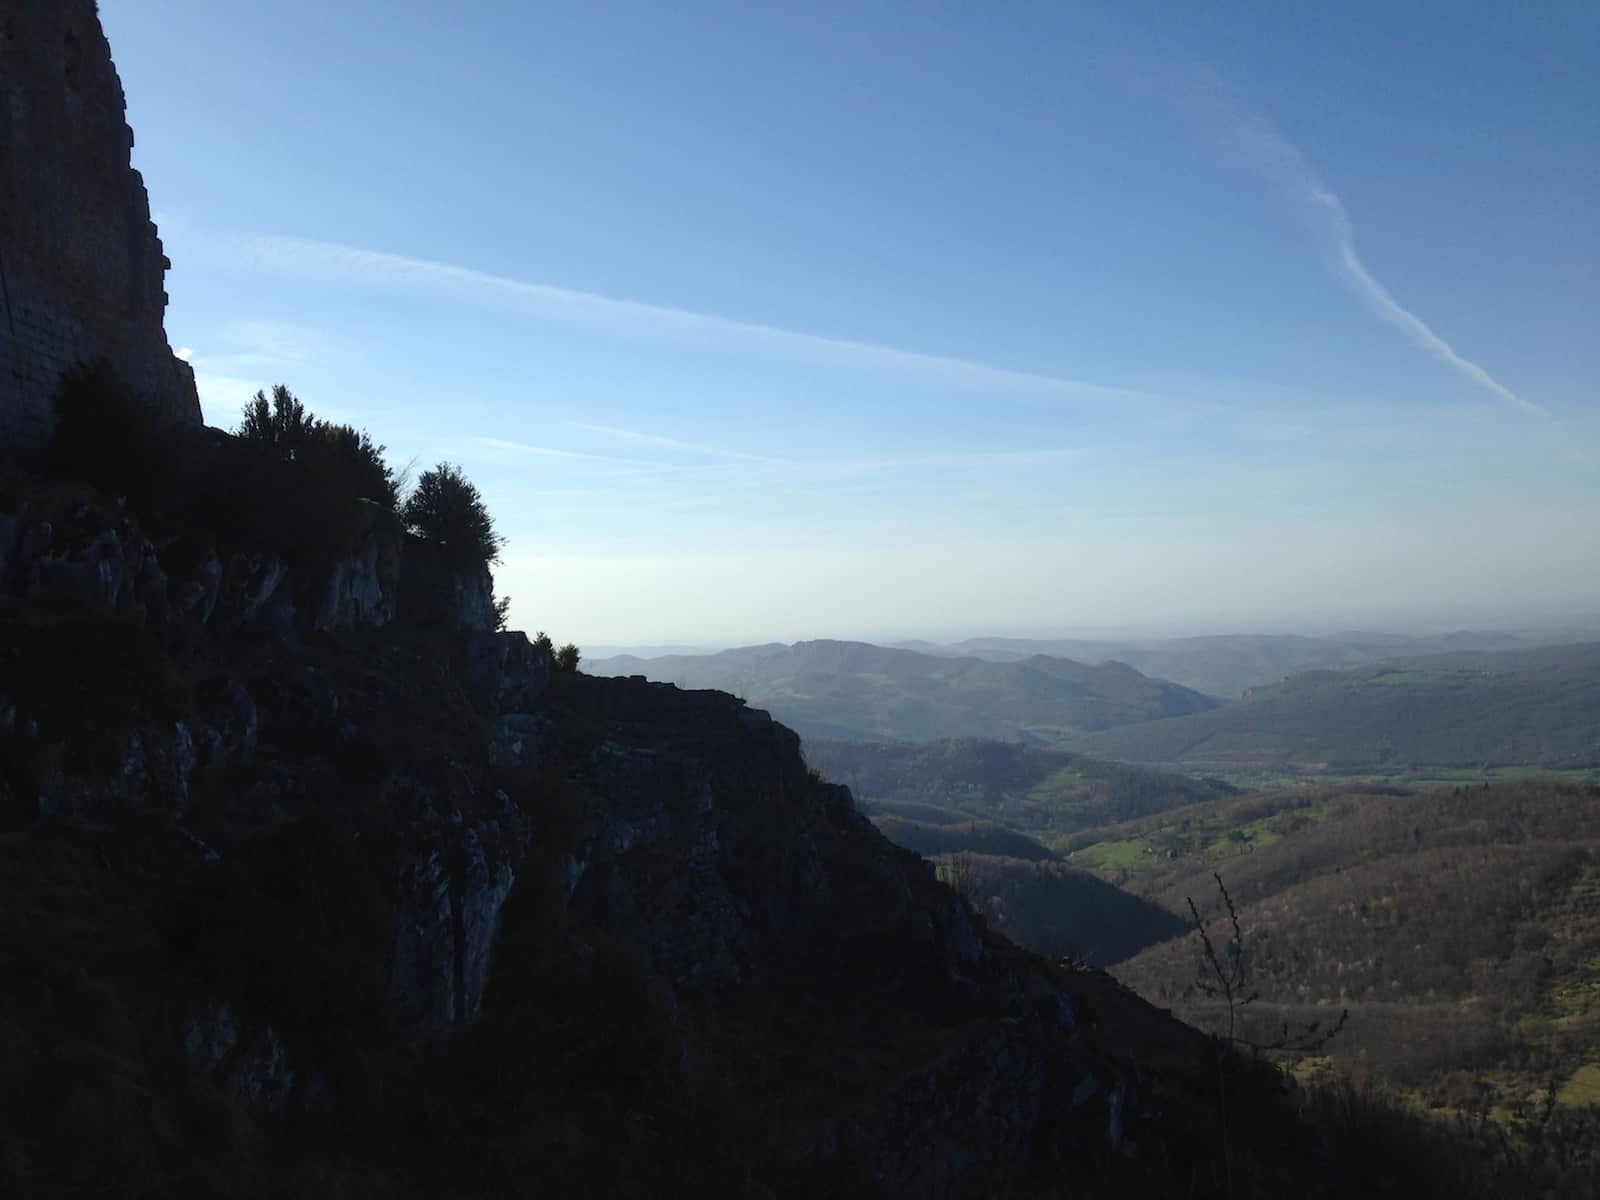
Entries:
{"x":860,"y":691}
{"x":1469,"y":710}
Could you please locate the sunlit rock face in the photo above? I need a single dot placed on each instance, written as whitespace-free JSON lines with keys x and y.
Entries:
{"x":83,"y":266}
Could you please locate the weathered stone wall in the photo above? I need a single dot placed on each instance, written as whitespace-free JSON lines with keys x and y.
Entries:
{"x":83,"y":267}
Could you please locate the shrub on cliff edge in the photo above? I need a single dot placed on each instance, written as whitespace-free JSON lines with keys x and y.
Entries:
{"x":337,"y":460}
{"x":280,"y":427}
{"x":445,"y":508}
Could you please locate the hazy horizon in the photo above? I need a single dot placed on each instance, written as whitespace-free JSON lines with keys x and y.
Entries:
{"x":1575,"y":627}
{"x":856,"y":320}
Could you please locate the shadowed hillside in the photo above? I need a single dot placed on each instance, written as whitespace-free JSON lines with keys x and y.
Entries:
{"x":1057,"y":910}
{"x":859,"y":691}
{"x":981,"y":808}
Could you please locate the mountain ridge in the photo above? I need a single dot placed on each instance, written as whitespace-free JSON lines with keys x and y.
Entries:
{"x":1532,"y":707}
{"x":1226,"y":665}
{"x":858,"y":690}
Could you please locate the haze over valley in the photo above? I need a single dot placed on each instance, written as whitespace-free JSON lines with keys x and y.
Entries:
{"x":1362,"y":704}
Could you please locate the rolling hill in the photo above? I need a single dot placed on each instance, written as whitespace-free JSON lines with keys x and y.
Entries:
{"x":1539,"y":708}
{"x":1461,"y":928}
{"x":859,"y":691}
{"x":983,"y":809}
{"x":1032,"y":789}
{"x":1229,"y":664}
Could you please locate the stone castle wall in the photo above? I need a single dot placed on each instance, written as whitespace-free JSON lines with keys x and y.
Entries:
{"x":82,"y":264}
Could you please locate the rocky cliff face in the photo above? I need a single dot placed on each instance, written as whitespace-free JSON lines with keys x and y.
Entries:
{"x":70,"y":552}
{"x":348,"y":839}
{"x":82,"y":264}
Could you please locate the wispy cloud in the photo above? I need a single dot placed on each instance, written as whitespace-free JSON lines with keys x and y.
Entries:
{"x":529,"y":450}
{"x":634,"y":437}
{"x":771,"y":466}
{"x":972,"y":458}
{"x":304,"y":258}
{"x":677,"y":485}
{"x":1253,"y":139}
{"x":277,"y":342}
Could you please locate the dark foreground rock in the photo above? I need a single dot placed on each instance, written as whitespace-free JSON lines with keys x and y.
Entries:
{"x":396,"y":899}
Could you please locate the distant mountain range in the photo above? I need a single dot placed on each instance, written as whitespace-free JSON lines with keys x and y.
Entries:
{"x":860,"y":691}
{"x":1537,"y":707}
{"x":1227,"y":665}
{"x":602,"y":651}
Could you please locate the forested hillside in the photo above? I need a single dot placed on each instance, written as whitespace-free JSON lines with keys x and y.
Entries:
{"x":1039,"y":791}
{"x":1228,"y":664}
{"x":828,"y":689}
{"x":1461,"y":928}
{"x":1539,"y":708}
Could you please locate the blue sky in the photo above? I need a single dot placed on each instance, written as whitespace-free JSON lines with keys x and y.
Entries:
{"x":783,"y":321}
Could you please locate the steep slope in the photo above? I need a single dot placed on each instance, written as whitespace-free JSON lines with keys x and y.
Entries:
{"x":860,"y":691}
{"x":1060,"y":911}
{"x":395,"y":909}
{"x":1535,"y":707}
{"x":263,"y":873}
{"x":324,"y":901}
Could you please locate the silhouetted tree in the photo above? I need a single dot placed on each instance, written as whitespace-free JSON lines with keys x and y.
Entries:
{"x":445,"y":508}
{"x":281,"y":425}
{"x":347,"y":455}
{"x":333,"y":461}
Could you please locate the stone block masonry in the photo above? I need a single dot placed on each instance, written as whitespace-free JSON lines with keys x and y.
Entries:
{"x":81,"y":264}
